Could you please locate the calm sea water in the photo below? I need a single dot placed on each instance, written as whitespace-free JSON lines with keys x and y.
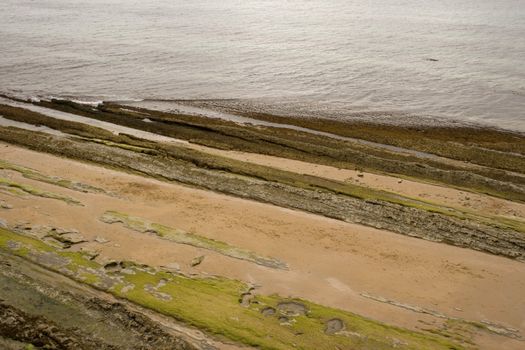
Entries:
{"x":362,"y":55}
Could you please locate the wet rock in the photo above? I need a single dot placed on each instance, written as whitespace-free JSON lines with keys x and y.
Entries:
{"x":292,"y":308}
{"x":154,"y":336}
{"x":127,"y":288}
{"x":13,"y":245}
{"x":106,"y":282}
{"x":90,"y":254}
{"x":152,"y":231}
{"x":245,"y":299}
{"x":284,"y":320}
{"x":72,"y":238}
{"x":49,"y":259}
{"x":63,"y":231}
{"x":333,"y":326}
{"x":113,"y":266}
{"x":397,"y":343}
{"x":174,"y":267}
{"x":502,"y":330}
{"x":101,"y":240}
{"x":42,"y":332}
{"x":197,"y":261}
{"x":268,"y":311}
{"x":63,"y":238}
{"x":159,"y":295}
{"x":162,"y":283}
{"x":5,"y":205}
{"x":23,"y":226}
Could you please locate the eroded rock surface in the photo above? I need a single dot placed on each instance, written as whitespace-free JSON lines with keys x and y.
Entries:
{"x":405,"y":220}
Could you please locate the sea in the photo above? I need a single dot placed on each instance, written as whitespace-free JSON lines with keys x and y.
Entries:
{"x":449,"y":59}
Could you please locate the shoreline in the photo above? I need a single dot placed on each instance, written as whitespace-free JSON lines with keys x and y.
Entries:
{"x":257,"y":108}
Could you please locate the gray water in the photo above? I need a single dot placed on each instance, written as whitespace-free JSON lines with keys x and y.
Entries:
{"x":361,"y":56}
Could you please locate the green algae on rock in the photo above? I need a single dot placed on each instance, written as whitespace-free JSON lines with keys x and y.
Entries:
{"x":53,"y":180}
{"x":22,"y":189}
{"x":182,"y":237}
{"x":212,"y":305}
{"x":47,"y":310}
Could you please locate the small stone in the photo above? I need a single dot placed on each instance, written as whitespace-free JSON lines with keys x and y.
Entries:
{"x":101,"y":240}
{"x":283,"y":319}
{"x":162,"y":283}
{"x":127,"y":288}
{"x":172,"y":267}
{"x":113,"y":266}
{"x":197,"y":261}
{"x":13,"y":245}
{"x":292,"y":308}
{"x":92,"y":255}
{"x":333,"y":326}
{"x":73,"y":238}
{"x":245,"y":299}
{"x":268,"y":311}
{"x":5,"y":205}
{"x":25,"y":226}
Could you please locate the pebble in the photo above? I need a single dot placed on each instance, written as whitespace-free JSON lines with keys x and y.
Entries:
{"x":197,"y":260}
{"x":101,"y":240}
{"x":5,"y":205}
{"x":173,"y":266}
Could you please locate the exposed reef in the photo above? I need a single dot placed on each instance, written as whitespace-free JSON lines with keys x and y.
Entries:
{"x":496,"y":147}
{"x":209,"y":303}
{"x":497,"y":236}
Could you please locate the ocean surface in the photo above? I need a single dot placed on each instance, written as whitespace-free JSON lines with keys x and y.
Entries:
{"x":459,"y":59}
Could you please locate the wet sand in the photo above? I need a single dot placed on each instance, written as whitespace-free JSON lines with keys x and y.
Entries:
{"x":331,"y":262}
